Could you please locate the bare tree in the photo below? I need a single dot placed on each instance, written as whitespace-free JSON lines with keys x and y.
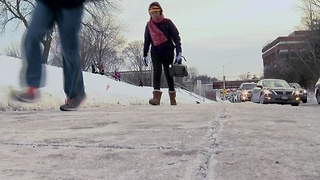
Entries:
{"x":193,"y":76}
{"x":15,"y":11}
{"x":192,"y":73}
{"x":55,"y":58}
{"x":101,"y":40}
{"x":13,"y":51}
{"x":132,"y":56}
{"x":105,"y":39}
{"x":309,"y":19}
{"x":18,"y":11}
{"x":245,"y":76}
{"x":114,"y":61}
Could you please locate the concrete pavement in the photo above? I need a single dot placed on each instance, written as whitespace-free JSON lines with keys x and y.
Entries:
{"x":201,"y":141}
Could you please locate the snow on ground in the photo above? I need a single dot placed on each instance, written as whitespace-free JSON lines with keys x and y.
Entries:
{"x":101,"y":90}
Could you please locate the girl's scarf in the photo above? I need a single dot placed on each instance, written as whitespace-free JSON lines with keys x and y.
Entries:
{"x":156,"y":35}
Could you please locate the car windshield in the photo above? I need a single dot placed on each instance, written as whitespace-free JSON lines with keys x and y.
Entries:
{"x":248,"y":86}
{"x":275,"y":83}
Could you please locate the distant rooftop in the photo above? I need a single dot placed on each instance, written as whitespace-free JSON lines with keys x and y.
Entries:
{"x":299,"y":33}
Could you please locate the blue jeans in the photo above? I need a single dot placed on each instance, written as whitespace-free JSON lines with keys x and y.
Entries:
{"x":69,"y":25}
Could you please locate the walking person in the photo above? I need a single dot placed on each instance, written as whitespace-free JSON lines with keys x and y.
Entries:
{"x":118,"y":76}
{"x":93,"y":69}
{"x":140,"y":83}
{"x":101,"y":69}
{"x":164,"y":38}
{"x":67,"y":15}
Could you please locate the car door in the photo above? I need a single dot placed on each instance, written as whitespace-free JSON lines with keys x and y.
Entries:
{"x":255,"y":96}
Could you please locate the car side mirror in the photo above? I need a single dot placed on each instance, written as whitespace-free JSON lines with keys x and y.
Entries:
{"x":259,"y":86}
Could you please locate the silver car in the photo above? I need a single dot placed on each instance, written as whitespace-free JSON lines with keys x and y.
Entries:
{"x":302,"y":92}
{"x":244,"y":91}
{"x":317,"y":90}
{"x":275,"y":91}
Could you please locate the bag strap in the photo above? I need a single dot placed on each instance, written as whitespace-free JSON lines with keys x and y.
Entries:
{"x":184,"y":58}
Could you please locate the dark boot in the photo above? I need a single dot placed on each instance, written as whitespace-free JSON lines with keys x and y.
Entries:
{"x":156,"y":97}
{"x":172,"y":95}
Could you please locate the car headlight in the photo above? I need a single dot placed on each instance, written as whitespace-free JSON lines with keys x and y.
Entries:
{"x":296,"y":92}
{"x":245,"y":93}
{"x":267,"y":91}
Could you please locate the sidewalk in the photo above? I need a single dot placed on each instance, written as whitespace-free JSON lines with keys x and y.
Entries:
{"x":206,"y":141}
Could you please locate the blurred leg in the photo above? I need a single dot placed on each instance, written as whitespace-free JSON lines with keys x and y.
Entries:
{"x":42,"y":21}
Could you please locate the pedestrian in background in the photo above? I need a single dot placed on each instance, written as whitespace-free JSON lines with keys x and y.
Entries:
{"x":118,"y":76}
{"x":140,"y":83}
{"x":101,"y":69}
{"x":94,"y":69}
{"x":67,"y":14}
{"x":164,"y":38}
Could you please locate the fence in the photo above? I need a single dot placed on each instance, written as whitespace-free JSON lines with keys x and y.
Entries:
{"x":204,"y":90}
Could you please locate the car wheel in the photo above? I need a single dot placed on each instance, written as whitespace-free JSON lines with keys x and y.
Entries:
{"x":318,"y":97}
{"x":304,"y":101}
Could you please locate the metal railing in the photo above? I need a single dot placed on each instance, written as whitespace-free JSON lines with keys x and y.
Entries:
{"x":181,"y":87}
{"x":121,"y":79}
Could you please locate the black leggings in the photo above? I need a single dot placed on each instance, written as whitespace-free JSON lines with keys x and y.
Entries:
{"x":158,"y":62}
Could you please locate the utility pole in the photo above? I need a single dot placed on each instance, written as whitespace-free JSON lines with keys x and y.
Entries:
{"x":224,"y":80}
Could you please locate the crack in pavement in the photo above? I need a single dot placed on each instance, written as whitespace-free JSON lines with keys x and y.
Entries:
{"x":211,"y":143}
{"x":34,"y":145}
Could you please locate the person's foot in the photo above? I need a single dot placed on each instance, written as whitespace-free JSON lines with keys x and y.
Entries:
{"x":29,"y":95}
{"x":73,"y":104}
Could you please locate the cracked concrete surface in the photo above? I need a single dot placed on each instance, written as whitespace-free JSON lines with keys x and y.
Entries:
{"x":213,"y":141}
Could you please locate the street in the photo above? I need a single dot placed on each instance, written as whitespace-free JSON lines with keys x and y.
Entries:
{"x":221,"y":141}
{"x":312,"y":103}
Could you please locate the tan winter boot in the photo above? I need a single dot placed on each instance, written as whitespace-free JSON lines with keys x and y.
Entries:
{"x":156,"y":97}
{"x":172,"y":95}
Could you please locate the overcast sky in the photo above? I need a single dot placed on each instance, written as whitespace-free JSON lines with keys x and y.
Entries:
{"x":214,"y":32}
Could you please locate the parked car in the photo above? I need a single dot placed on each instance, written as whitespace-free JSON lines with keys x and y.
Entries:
{"x":302,"y":92}
{"x":275,"y":91}
{"x":244,"y":91}
{"x":317,"y":91}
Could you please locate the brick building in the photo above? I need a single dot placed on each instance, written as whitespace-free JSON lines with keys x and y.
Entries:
{"x":283,"y":48}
